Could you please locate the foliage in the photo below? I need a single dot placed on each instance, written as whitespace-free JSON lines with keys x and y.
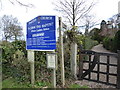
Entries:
{"x":108,"y":43}
{"x":95,"y":34}
{"x":9,"y":49}
{"x":7,"y":52}
{"x":71,"y":35}
{"x":20,"y":45}
{"x":86,"y":42}
{"x":12,"y":65}
{"x":13,"y":83}
{"x":112,"y":44}
{"x":117,"y":41}
{"x":89,"y":43}
{"x":15,"y":64}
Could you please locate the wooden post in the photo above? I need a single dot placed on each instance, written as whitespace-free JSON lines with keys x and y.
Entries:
{"x":31,"y":61}
{"x":0,"y":68}
{"x":54,"y":78}
{"x":61,"y":53}
{"x":80,"y":66}
{"x":54,"y":73}
{"x":52,"y":66}
{"x":73,"y":59}
{"x":118,"y":7}
{"x":32,"y":73}
{"x":118,"y":70}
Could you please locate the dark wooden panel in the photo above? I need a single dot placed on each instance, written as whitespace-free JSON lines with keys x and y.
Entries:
{"x":99,"y":81}
{"x":112,"y":74}
{"x":118,"y":70}
{"x":91,"y":67}
{"x":107,"y":75}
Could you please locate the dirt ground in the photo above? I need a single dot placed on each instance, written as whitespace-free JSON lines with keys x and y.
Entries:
{"x":103,"y":68}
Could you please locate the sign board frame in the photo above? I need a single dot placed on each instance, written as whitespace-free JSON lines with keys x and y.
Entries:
{"x":30,"y":55}
{"x":41,"y":33}
{"x":51,"y":60}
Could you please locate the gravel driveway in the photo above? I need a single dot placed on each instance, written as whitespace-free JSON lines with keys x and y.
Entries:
{"x":103,"y":68}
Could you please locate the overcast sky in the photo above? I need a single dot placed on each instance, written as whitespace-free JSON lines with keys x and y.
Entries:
{"x":104,"y":9}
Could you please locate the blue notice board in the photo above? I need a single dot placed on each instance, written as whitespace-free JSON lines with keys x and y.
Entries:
{"x":41,"y":33}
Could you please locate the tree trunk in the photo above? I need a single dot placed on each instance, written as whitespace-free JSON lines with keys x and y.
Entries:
{"x":73,"y":59}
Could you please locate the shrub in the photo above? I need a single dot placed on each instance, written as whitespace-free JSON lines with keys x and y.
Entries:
{"x":89,"y":43}
{"x":117,"y":41}
{"x":86,"y":42}
{"x":108,"y":43}
{"x":112,"y":44}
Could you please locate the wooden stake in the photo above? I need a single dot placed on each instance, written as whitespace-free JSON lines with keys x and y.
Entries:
{"x":32,"y":73}
{"x":61,"y":53}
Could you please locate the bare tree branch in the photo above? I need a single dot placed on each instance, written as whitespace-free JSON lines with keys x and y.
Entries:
{"x":25,"y":5}
{"x":74,"y":10}
{"x":13,"y":2}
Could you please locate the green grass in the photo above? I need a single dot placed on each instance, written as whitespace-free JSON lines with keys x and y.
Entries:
{"x":77,"y":86}
{"x":12,"y":83}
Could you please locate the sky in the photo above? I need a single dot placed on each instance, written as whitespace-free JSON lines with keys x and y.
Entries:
{"x":103,"y":10}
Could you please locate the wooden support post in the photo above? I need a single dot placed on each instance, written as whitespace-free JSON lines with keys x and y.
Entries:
{"x":52,"y":63}
{"x":74,"y":60}
{"x":0,"y":68}
{"x":31,"y":61}
{"x":118,"y":7}
{"x":98,"y":68}
{"x":80,"y":66}
{"x":118,"y":70}
{"x":61,"y":53}
{"x":32,"y":73}
{"x":89,"y":76}
{"x":108,"y":62}
{"x":54,"y":78}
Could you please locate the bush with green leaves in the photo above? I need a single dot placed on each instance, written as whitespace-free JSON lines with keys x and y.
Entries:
{"x":89,"y":43}
{"x":95,"y":34}
{"x":112,"y":43}
{"x":16,"y":67}
{"x":108,"y":43}
{"x":117,"y":41}
{"x":19,"y":67}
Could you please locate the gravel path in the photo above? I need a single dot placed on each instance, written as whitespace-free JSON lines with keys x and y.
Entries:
{"x":103,"y":68}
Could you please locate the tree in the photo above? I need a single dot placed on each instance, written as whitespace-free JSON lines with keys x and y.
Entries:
{"x":95,"y":34}
{"x":89,"y":22}
{"x":73,"y":11}
{"x":5,"y":23}
{"x":16,"y":31}
{"x":11,"y":27}
{"x":14,"y":2}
